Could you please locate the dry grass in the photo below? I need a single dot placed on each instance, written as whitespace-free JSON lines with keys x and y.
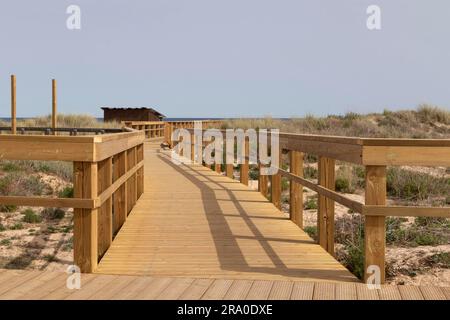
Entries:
{"x":65,"y":121}
{"x":424,"y":122}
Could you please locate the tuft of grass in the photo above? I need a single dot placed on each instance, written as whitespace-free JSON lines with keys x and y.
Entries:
{"x":2,"y":227}
{"x":311,"y":231}
{"x":5,"y":242}
{"x":16,"y":226}
{"x":311,"y":204}
{"x":53,"y":213}
{"x":67,"y":192}
{"x":441,"y":259}
{"x":31,"y":217}
{"x":7,"y":208}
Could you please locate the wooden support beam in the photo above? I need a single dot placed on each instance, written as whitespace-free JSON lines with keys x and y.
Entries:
{"x":245,"y":166}
{"x":375,"y":232}
{"x":275,"y":185}
{"x":229,"y":169}
{"x":105,"y":224}
{"x":85,"y":236}
{"x":120,"y":196}
{"x":218,"y":168}
{"x":325,"y":221}
{"x":132,"y":182}
{"x":296,"y":190}
{"x":54,"y":111}
{"x":13,"y":105}
{"x":263,"y":183}
{"x":140,"y":172}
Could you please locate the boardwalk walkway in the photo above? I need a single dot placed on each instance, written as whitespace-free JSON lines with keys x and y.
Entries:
{"x":192,"y":222}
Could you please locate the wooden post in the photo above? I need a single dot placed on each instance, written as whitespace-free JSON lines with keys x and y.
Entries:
{"x":13,"y":105}
{"x":54,"y":116}
{"x":140,"y":172}
{"x":105,"y":230}
{"x":275,"y":189}
{"x":244,"y":166}
{"x":120,"y":196}
{"x":296,"y":190}
{"x":218,"y":168}
{"x":131,"y":185}
{"x":85,"y":248}
{"x":263,"y":182}
{"x":325,"y":218}
{"x":229,"y":168}
{"x":193,"y":148}
{"x":375,"y":232}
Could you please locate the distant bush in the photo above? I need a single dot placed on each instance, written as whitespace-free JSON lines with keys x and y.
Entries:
{"x":311,"y":231}
{"x":67,"y":192}
{"x":7,"y":208}
{"x":31,"y":217}
{"x":310,"y":204}
{"x":53,"y":213}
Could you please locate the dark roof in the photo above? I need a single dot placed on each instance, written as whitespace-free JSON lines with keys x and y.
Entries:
{"x":131,"y":108}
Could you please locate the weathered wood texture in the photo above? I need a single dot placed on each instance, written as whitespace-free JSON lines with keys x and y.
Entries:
{"x":191,"y":221}
{"x":45,"y":285}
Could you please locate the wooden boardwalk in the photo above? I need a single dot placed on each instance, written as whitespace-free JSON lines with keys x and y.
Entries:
{"x":192,"y":222}
{"x":38,"y":285}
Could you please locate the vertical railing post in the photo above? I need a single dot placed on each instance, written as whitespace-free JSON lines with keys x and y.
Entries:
{"x":120,"y":196}
{"x":140,"y":172}
{"x":85,"y":230}
{"x":275,"y":186}
{"x":244,"y":166}
{"x":325,"y":218}
{"x":296,"y":190}
{"x":262,"y":182}
{"x":13,"y":104}
{"x":131,"y":185}
{"x":375,"y":232}
{"x":105,"y":230}
{"x":54,"y":111}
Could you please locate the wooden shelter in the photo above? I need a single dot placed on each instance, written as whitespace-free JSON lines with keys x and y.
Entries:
{"x":131,"y":114}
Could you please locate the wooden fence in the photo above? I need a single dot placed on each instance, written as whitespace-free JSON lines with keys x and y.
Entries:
{"x":108,"y":179}
{"x":374,"y":154}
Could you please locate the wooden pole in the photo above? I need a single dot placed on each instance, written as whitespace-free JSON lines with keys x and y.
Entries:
{"x":375,"y":232}
{"x":326,"y":206}
{"x":54,"y":116}
{"x":13,"y":104}
{"x":296,"y":190}
{"x":263,"y":182}
{"x":245,"y":166}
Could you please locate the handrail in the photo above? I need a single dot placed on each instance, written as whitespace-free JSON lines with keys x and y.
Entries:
{"x":107,"y":168}
{"x":373,"y":153}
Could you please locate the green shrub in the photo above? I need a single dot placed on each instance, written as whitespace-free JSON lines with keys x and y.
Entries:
{"x":311,"y":204}
{"x":442,"y":259}
{"x":428,"y":239}
{"x":2,"y":227}
{"x":10,"y":166}
{"x":253,"y":174}
{"x":31,"y":217}
{"x":16,"y":226}
{"x":311,"y":173}
{"x":67,"y":192}
{"x":311,"y":231}
{"x":355,"y":260}
{"x":7,"y":208}
{"x":343,"y":185}
{"x":53,"y":213}
{"x":5,"y":242}
{"x":284,"y":184}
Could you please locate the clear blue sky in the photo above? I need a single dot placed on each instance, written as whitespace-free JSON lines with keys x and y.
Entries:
{"x":211,"y":58}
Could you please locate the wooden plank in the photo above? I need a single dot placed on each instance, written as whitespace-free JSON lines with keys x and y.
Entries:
{"x":296,"y":190}
{"x":325,"y":220}
{"x":49,"y":202}
{"x":365,"y":293}
{"x":85,"y":237}
{"x":401,"y":155}
{"x":28,"y":286}
{"x":238,"y":290}
{"x":134,"y":288}
{"x":196,"y":290}
{"x":324,"y":291}
{"x":374,"y":226}
{"x":260,"y":290}
{"x":217,"y":290}
{"x":302,"y":291}
{"x":175,"y":289}
{"x":389,"y":292}
{"x":346,"y":291}
{"x":281,"y":290}
{"x":105,"y":224}
{"x":410,"y":293}
{"x":405,"y":211}
{"x":432,"y":293}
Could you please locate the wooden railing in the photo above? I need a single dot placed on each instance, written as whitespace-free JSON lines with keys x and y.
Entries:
{"x":108,"y":179}
{"x":156,"y":129}
{"x":374,"y":154}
